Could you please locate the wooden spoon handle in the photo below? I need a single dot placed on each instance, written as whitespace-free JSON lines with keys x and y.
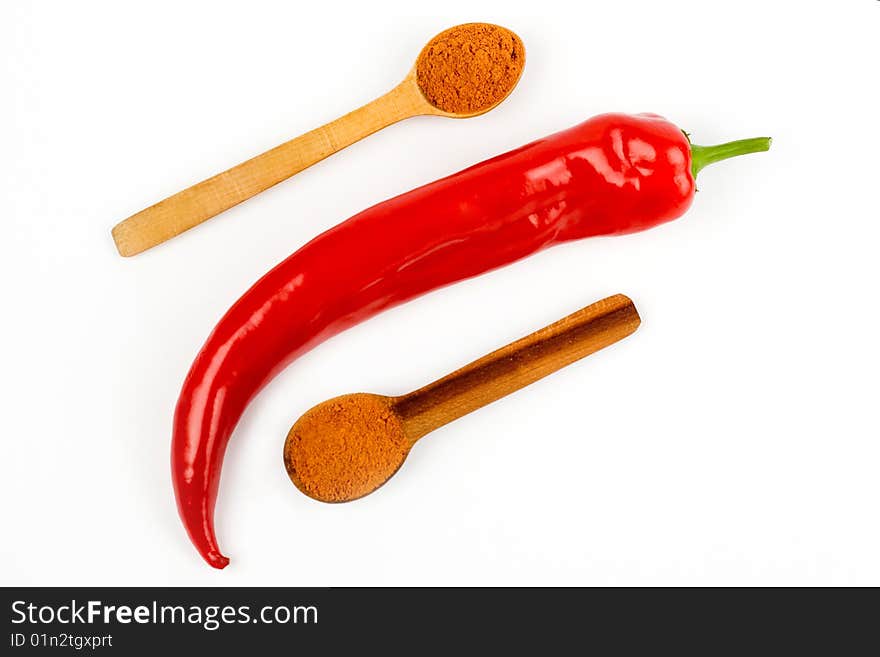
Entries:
{"x":517,"y":365}
{"x":210,"y":197}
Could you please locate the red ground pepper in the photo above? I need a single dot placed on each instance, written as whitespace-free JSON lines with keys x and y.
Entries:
{"x":612,"y":174}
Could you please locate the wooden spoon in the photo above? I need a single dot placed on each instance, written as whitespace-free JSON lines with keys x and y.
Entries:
{"x":347,"y":447}
{"x":210,"y":197}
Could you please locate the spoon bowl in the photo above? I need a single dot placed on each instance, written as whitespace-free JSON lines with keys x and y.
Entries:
{"x":346,"y":447}
{"x":468,"y":69}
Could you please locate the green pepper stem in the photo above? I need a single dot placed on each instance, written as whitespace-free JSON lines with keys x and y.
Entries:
{"x":702,"y":156}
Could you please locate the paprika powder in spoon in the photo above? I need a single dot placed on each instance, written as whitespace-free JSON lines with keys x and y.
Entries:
{"x":345,"y":448}
{"x":462,"y":72}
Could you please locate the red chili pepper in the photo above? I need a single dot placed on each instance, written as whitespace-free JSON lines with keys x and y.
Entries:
{"x":612,"y":174}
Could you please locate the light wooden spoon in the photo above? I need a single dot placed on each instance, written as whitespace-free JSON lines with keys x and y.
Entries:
{"x":347,"y":447}
{"x":192,"y":206}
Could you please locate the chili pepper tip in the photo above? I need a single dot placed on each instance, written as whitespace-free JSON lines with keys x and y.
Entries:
{"x":217,"y":560}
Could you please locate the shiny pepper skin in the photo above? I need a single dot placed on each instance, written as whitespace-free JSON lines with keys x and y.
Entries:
{"x":612,"y":174}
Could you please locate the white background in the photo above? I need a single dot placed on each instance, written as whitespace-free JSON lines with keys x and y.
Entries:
{"x":732,"y":440}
